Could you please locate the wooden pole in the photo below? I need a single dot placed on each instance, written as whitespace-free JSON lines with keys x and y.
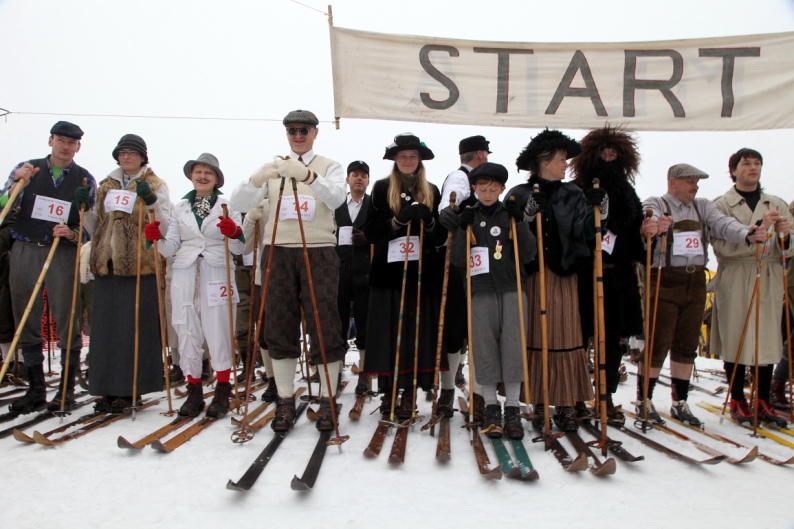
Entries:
{"x":163,"y":322}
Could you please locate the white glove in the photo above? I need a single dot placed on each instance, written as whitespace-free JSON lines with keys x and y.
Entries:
{"x":256,"y":212}
{"x":264,"y":173}
{"x":294,"y":169}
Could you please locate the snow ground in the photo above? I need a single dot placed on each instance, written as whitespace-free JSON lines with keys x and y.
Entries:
{"x":90,"y":483}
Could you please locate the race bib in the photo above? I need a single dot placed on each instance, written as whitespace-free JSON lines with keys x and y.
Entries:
{"x":50,"y":209}
{"x":398,"y":248}
{"x":608,"y":242}
{"x":346,"y":236}
{"x":289,"y":209}
{"x":218,"y":293}
{"x":478,"y":260}
{"x":687,"y":243}
{"x":120,"y":200}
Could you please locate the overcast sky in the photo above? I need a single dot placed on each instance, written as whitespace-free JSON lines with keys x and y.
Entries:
{"x":250,"y":62}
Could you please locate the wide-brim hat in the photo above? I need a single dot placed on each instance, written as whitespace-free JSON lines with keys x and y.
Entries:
{"x":546,"y":141}
{"x":408,"y":142}
{"x":210,"y":161}
{"x":134,"y":142}
{"x":488,"y":171}
{"x":684,"y":170}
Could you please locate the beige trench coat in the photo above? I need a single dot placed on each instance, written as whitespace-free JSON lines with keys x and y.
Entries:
{"x":734,"y":284}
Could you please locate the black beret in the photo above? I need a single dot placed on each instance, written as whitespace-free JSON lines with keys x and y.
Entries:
{"x":489,"y":171}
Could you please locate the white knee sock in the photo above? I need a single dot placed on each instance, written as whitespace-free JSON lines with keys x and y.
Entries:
{"x":266,"y":361}
{"x":512,"y":393}
{"x":448,"y":377}
{"x":284,"y":371}
{"x":333,"y":375}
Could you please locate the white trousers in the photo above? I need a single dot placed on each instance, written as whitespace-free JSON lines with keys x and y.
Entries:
{"x":195,"y":321}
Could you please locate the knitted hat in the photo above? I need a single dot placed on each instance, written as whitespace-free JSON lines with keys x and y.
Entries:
{"x":134,"y":142}
{"x":684,"y":170}
{"x":546,"y":141}
{"x":473,"y":143}
{"x":407,"y":142}
{"x":64,"y":128}
{"x":303,"y":117}
{"x":489,"y":171}
{"x":358,"y":165}
{"x":210,"y":161}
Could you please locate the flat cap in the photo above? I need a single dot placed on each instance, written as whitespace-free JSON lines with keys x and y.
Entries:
{"x":473,"y":143}
{"x":358,"y":165}
{"x":303,"y":117}
{"x":488,"y":171}
{"x":70,"y":130}
{"x":684,"y":170}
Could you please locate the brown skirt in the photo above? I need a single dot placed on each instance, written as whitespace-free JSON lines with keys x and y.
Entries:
{"x":569,"y":379}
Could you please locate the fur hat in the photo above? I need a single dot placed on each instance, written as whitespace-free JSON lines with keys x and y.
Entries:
{"x":70,"y":130}
{"x":304,"y":117}
{"x":407,"y":142}
{"x":595,"y":141}
{"x":546,"y":141}
{"x":488,"y":171}
{"x":684,"y":170}
{"x":134,"y":142}
{"x":210,"y":161}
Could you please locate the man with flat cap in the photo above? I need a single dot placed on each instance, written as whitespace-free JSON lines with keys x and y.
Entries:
{"x":689,"y":224}
{"x":47,"y":211}
{"x":473,"y":151}
{"x":353,"y":250}
{"x":321,"y":189}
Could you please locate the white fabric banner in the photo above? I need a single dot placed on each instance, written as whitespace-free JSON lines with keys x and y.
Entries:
{"x":726,"y":83}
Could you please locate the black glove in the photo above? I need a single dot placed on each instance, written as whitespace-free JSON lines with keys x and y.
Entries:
{"x":405,"y":215}
{"x":81,"y":195}
{"x":595,"y":196}
{"x":514,"y":210}
{"x":359,"y":239}
{"x":145,"y":192}
{"x":423,"y":213}
{"x":466,"y":218}
{"x":536,"y":202}
{"x":449,"y":219}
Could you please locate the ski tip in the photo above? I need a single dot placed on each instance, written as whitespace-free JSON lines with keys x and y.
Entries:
{"x":121,"y":442}
{"x":370,"y":453}
{"x":39,"y":438}
{"x":396,"y":460}
{"x":160,"y":447}
{"x":579,"y":464}
{"x":494,"y":473}
{"x":443,"y":457}
{"x":607,"y":468}
{"x":532,"y":475}
{"x":231,"y":485}
{"x":514,"y":473}
{"x":299,"y":485}
{"x":22,"y":437}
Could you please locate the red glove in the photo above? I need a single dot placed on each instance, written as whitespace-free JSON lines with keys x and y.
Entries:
{"x":152,"y":231}
{"x":229,"y":228}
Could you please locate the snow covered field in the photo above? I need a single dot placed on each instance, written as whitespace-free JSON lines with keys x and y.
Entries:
{"x":90,"y":483}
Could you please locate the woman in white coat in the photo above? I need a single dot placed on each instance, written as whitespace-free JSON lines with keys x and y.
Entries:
{"x":195,"y":240}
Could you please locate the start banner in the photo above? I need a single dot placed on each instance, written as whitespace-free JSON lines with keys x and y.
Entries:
{"x":725,"y":83}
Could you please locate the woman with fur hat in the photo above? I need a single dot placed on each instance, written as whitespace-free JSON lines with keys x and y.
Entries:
{"x":195,"y":239}
{"x":116,"y":237}
{"x":567,"y":226}
{"x":610,"y":155}
{"x":403,"y":198}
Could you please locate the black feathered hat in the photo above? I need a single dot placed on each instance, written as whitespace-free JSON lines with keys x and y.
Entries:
{"x":408,"y":142}
{"x":547,"y":141}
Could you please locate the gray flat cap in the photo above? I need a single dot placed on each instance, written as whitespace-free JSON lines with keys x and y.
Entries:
{"x":303,"y":117}
{"x":684,"y":170}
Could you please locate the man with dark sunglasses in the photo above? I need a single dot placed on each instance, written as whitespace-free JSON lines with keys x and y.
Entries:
{"x":321,"y":189}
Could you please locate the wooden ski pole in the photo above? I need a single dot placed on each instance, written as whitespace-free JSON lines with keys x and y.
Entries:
{"x":754,"y":389}
{"x":18,"y":187}
{"x":304,"y":359}
{"x":469,"y":240}
{"x":242,"y":435}
{"x":230,"y":309}
{"x":136,"y":342}
{"x":163,"y":323}
{"x":414,"y":386}
{"x":339,"y":439}
{"x":544,"y":337}
{"x":50,"y":332}
{"x":646,"y":312}
{"x":29,"y":307}
{"x":648,"y":356}
{"x":65,"y":369}
{"x":601,"y":327}
{"x":787,"y":313}
{"x":520,"y":297}
{"x":441,"y":318}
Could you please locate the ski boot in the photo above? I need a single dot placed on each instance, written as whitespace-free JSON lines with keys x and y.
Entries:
{"x":513,"y":426}
{"x":194,"y":404}
{"x":444,"y":403}
{"x":493,"y":421}
{"x":285,"y":415}
{"x":741,"y":412}
{"x":220,"y":401}
{"x":651,"y":414}
{"x":777,"y":397}
{"x":55,"y":403}
{"x":680,"y":411}
{"x":271,"y":391}
{"x":325,"y":420}
{"x":615,"y":417}
{"x":767,"y":414}
{"x":565,"y":418}
{"x":36,"y":395}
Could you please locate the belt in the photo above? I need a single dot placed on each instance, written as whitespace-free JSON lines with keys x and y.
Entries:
{"x":609,"y":265}
{"x":37,"y":243}
{"x":689,"y":269}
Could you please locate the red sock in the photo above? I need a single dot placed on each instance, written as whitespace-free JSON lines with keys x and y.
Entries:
{"x":223,"y":376}
{"x":193,"y":380}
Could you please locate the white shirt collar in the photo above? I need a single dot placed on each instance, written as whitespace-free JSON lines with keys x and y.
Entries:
{"x":307,"y":157}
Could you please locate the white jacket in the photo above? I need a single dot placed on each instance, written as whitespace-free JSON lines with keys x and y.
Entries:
{"x":185,"y":241}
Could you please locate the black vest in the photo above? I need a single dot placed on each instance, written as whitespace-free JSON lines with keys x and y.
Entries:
{"x":355,"y":258}
{"x":37,"y":230}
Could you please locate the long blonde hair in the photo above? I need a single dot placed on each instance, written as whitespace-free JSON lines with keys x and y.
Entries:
{"x":422,"y":191}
